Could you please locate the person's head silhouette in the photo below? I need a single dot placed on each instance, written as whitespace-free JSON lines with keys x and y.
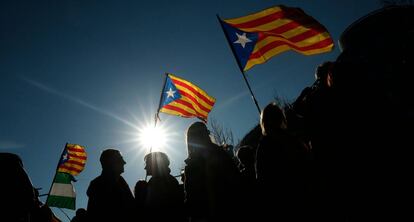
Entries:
{"x":323,"y":74}
{"x":112,"y":161}
{"x":198,"y":137}
{"x":246,"y":156}
{"x":157,"y":163}
{"x":272,"y":118}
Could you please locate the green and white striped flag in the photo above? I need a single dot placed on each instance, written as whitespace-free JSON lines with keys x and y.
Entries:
{"x":71,"y":163}
{"x":62,"y":194}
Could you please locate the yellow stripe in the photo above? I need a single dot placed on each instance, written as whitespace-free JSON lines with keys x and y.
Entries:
{"x":254,"y":16}
{"x":195,"y":106}
{"x":78,"y":160}
{"x":211,"y":99}
{"x":266,"y":56}
{"x":306,"y":42}
{"x":75,"y":166}
{"x":268,"y":26}
{"x":74,"y":173}
{"x":198,"y":99}
{"x":281,"y":49}
{"x":77,"y":146}
{"x":316,"y":51}
{"x":187,"y":109}
{"x":77,"y":153}
{"x":172,"y":112}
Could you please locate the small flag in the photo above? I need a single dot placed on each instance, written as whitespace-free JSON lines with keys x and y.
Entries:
{"x":257,"y":37}
{"x":72,"y":162}
{"x":62,"y":194}
{"x":182,"y":98}
{"x":73,"y":159}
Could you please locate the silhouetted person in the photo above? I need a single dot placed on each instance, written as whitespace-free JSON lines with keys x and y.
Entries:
{"x":17,"y":194}
{"x":248,"y":184}
{"x":281,"y":169}
{"x":211,"y":178}
{"x":246,"y":156}
{"x":374,"y":99}
{"x":42,"y":212}
{"x":81,"y":216}
{"x":110,"y":198}
{"x":161,"y":198}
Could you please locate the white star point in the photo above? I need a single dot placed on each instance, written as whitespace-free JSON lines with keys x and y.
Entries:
{"x":170,"y":93}
{"x":242,"y":39}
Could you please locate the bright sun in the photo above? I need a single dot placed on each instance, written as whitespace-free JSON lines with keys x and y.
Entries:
{"x":154,"y":138}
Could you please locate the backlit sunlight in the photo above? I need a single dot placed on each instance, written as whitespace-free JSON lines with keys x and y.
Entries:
{"x":154,"y":138}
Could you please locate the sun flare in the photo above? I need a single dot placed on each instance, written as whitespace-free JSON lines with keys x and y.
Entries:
{"x":154,"y":138}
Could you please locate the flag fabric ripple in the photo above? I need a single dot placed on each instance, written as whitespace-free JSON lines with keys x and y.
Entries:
{"x":183,"y":98}
{"x":257,"y":37}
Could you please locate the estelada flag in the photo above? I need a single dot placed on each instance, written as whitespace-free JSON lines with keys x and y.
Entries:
{"x":62,"y":192}
{"x":257,"y":37}
{"x":73,"y":159}
{"x":183,"y":98}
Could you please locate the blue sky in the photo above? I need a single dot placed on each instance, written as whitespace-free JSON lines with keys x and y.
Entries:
{"x":90,"y":72}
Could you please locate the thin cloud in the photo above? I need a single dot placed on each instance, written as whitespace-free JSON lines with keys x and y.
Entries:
{"x":76,"y":100}
{"x":4,"y":144}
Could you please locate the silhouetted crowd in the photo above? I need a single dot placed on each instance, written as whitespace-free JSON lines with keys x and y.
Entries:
{"x":339,"y":152}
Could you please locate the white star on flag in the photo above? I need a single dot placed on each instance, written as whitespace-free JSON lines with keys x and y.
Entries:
{"x":242,"y":39}
{"x":170,"y":93}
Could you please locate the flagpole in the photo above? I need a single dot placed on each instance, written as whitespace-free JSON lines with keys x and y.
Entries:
{"x":57,"y":167}
{"x":156,"y":117}
{"x":159,"y":104}
{"x":239,"y":65}
{"x":64,"y":213}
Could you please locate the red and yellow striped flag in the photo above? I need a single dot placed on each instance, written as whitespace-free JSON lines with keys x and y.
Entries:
{"x":73,"y":159}
{"x":257,"y":37}
{"x":182,"y":98}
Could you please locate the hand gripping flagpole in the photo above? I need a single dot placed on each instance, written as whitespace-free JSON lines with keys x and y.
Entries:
{"x":239,"y":65}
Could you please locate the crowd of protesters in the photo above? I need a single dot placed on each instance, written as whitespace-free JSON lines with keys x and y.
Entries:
{"x":339,"y":152}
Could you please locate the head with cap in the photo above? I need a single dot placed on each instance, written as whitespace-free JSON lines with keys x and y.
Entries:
{"x":272,"y":119}
{"x":198,"y":138}
{"x":157,"y":163}
{"x":112,"y":161}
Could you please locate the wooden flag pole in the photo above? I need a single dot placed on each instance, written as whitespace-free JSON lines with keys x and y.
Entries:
{"x":239,"y":65}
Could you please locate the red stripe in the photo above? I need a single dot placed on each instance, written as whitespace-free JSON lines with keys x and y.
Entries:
{"x":272,"y":45}
{"x":194,"y":101}
{"x":74,"y":162}
{"x":260,"y":21}
{"x":69,"y":168}
{"x":178,"y":109}
{"x":189,"y":105}
{"x":311,"y":24}
{"x":284,"y":28}
{"x":76,"y":156}
{"x":296,"y":38}
{"x":305,"y":35}
{"x":198,"y":94}
{"x":289,"y":13}
{"x":76,"y":149}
